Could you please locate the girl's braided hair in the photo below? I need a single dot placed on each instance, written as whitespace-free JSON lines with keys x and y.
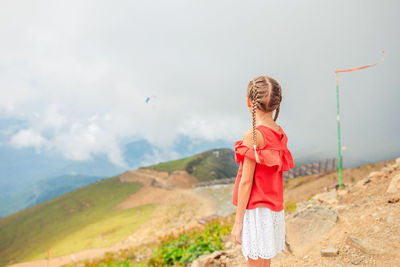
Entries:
{"x":265,"y":94}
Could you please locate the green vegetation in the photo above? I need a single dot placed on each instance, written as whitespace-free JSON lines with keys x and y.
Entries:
{"x":44,"y":190}
{"x":81,"y":219}
{"x":175,"y":249}
{"x":290,"y":206}
{"x":188,"y":246}
{"x":206,"y":166}
{"x":169,"y":166}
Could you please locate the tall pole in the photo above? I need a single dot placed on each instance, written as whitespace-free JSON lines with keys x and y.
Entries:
{"x":338,"y":127}
{"x":338,"y":111}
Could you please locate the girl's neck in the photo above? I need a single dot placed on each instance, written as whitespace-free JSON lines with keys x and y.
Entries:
{"x":264,"y":118}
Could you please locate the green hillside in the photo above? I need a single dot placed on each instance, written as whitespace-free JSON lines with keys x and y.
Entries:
{"x":209,"y":165}
{"x":77,"y":220}
{"x":44,"y":190}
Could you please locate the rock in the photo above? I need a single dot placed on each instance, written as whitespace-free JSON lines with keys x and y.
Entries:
{"x":332,"y":201}
{"x":391,"y":168}
{"x":308,"y":226}
{"x":340,"y":208}
{"x":398,"y":162}
{"x":363,"y":181}
{"x":361,"y":245}
{"x":228,"y":244}
{"x":329,"y":252}
{"x":377,"y":174}
{"x":393,"y":200}
{"x":356,"y":262}
{"x":300,"y":205}
{"x":389,"y":219}
{"x":394,"y":184}
{"x":327,"y":197}
{"x":209,"y":260}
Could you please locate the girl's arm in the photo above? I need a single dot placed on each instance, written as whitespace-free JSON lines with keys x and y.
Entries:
{"x":246,"y":182}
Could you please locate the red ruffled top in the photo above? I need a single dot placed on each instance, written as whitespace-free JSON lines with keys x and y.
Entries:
{"x":274,"y":157}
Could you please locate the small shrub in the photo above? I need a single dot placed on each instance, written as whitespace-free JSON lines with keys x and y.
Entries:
{"x":178,"y":250}
{"x":290,"y":206}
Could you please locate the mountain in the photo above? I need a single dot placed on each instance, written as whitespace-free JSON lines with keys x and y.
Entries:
{"x":23,"y":171}
{"x":91,"y":215}
{"x":209,"y":165}
{"x":44,"y":190}
{"x":82,"y":215}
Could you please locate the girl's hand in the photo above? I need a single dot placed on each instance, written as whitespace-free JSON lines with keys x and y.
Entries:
{"x":236,"y":233}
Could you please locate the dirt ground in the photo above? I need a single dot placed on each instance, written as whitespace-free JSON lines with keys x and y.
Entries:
{"x":367,"y":213}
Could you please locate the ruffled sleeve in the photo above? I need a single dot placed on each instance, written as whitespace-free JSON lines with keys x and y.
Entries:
{"x":282,"y":158}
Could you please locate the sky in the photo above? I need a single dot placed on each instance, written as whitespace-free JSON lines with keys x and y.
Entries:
{"x":74,"y":75}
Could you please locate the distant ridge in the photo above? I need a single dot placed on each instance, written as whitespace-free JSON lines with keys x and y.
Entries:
{"x":209,"y":165}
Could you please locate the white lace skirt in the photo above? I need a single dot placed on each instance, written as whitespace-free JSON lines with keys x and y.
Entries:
{"x":263,"y":233}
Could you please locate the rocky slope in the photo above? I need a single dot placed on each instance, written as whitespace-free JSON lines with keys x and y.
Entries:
{"x":357,"y":224}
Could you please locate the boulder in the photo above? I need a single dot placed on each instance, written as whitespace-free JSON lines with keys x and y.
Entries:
{"x":330,"y":251}
{"x":308,"y":226}
{"x":394,"y":185}
{"x":362,"y":245}
{"x":217,"y":258}
{"x":326,"y":197}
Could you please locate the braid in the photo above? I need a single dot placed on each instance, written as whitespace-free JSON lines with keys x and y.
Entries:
{"x":275,"y":96}
{"x":254,"y":104}
{"x":265,"y":95}
{"x":276,"y":113}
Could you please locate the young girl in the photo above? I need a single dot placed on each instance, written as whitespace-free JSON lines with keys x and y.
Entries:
{"x":258,"y":191}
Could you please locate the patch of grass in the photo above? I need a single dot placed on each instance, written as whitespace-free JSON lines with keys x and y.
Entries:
{"x":169,"y":166}
{"x":206,"y":166}
{"x":174,"y":249}
{"x":83,"y":218}
{"x":180,"y":249}
{"x":290,"y":206}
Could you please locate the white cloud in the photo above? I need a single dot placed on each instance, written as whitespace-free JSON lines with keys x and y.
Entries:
{"x":27,"y":138}
{"x":212,"y":127}
{"x":77,"y":73}
{"x":75,"y":138}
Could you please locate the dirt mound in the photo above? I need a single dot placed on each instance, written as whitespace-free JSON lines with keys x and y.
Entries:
{"x":157,"y":186}
{"x":145,"y":195}
{"x":176,"y":179}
